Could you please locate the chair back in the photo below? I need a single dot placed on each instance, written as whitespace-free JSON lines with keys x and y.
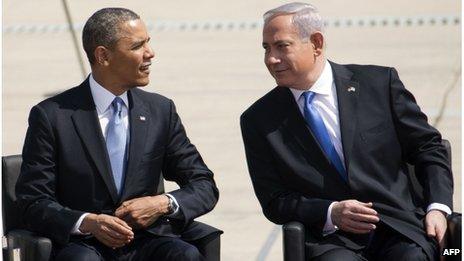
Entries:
{"x":11,"y":166}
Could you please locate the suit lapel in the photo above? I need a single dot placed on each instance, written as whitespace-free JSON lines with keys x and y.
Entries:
{"x":296,"y":125}
{"x":139,"y":119}
{"x":85,"y":120}
{"x":347,"y":93}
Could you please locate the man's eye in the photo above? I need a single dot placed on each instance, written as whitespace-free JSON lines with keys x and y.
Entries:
{"x":137,"y":47}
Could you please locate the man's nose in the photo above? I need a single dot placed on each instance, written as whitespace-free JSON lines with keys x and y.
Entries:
{"x":149,"y":53}
{"x":272,"y":59}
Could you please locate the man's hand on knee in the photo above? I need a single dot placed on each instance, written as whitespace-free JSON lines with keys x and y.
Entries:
{"x":354,"y":216}
{"x":109,"y":230}
{"x":144,"y":211}
{"x":435,"y":226}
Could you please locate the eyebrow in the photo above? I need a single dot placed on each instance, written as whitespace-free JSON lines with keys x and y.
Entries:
{"x":137,"y":43}
{"x":265,"y":44}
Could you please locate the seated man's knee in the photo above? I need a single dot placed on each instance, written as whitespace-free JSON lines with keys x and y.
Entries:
{"x":413,"y":254}
{"x":191,"y":253}
{"x":338,"y":254}
{"x":76,"y":252}
{"x":177,"y":250}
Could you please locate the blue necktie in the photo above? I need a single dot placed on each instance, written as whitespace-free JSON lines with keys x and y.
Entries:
{"x":116,"y":141}
{"x":317,"y":126}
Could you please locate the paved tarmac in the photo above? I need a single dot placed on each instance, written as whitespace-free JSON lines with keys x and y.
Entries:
{"x":209,"y":60}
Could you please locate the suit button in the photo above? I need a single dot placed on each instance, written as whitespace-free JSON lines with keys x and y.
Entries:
{"x":167,"y":219}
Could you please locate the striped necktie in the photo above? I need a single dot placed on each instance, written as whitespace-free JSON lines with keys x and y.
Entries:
{"x":315,"y":122}
{"x":116,"y":143}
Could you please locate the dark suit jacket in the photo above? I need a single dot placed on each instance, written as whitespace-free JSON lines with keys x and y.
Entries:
{"x":382,"y":130}
{"x":66,"y":170}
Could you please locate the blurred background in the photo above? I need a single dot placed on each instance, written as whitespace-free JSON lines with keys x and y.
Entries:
{"x":209,"y":60}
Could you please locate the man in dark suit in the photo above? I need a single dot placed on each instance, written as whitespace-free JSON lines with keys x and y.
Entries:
{"x":329,"y":147}
{"x":93,"y":156}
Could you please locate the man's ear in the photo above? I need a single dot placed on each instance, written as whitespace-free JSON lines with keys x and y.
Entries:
{"x":101,"y":54}
{"x":317,"y":40}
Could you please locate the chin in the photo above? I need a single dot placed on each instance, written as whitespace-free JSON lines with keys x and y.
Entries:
{"x":282,"y":83}
{"x":282,"y":80}
{"x":143,"y":82}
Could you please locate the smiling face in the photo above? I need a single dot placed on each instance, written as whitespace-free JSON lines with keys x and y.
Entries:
{"x":128,"y":61}
{"x":290,"y":60}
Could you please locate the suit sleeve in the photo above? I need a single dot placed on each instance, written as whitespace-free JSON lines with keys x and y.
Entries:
{"x":279,"y":203}
{"x":183,"y":164}
{"x":421,"y":145}
{"x":36,"y":185}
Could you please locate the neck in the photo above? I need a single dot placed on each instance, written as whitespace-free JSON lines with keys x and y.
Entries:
{"x":313,"y":75}
{"x":107,"y":83}
{"x":318,"y":69}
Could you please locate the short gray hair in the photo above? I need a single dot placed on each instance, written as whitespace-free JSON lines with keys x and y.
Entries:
{"x":306,"y":18}
{"x":103,"y":27}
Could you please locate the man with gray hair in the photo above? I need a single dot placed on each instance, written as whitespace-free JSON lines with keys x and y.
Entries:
{"x":94,"y":154}
{"x":329,"y":147}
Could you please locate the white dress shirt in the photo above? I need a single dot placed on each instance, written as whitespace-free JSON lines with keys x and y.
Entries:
{"x":103,"y":99}
{"x":325,"y":101}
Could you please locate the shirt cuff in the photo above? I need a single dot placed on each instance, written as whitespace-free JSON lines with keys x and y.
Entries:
{"x":175,"y":205}
{"x":329,"y":227}
{"x":75,"y":230}
{"x":438,"y":206}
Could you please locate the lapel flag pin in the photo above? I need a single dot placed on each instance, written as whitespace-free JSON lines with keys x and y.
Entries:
{"x":351,"y":89}
{"x":142,"y":118}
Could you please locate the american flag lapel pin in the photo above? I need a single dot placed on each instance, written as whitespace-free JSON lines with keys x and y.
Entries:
{"x":351,"y":89}
{"x":142,"y":118}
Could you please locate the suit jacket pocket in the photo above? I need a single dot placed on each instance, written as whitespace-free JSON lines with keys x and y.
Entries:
{"x":152,"y":155}
{"x":376,"y":128}
{"x":378,"y":135}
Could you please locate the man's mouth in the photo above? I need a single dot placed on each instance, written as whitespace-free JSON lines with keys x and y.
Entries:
{"x":145,"y":67}
{"x":280,"y":70}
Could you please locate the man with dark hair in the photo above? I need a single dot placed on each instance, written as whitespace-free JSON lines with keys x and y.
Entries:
{"x":329,"y":147}
{"x":93,"y":157}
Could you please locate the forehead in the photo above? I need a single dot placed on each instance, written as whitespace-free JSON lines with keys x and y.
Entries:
{"x":279,"y":26}
{"x":133,"y":30}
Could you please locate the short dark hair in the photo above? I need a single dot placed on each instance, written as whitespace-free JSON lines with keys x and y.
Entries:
{"x":102,"y":29}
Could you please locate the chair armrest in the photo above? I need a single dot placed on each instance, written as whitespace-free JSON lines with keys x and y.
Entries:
{"x":210,"y":246}
{"x":32,"y":247}
{"x":293,"y":241}
{"x":454,"y":231}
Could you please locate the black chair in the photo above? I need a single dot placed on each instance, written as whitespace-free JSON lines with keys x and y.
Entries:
{"x":30,"y":246}
{"x":294,"y":232}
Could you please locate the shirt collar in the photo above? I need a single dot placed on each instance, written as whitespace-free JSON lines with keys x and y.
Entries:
{"x":102,"y":97}
{"x":323,"y":84}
